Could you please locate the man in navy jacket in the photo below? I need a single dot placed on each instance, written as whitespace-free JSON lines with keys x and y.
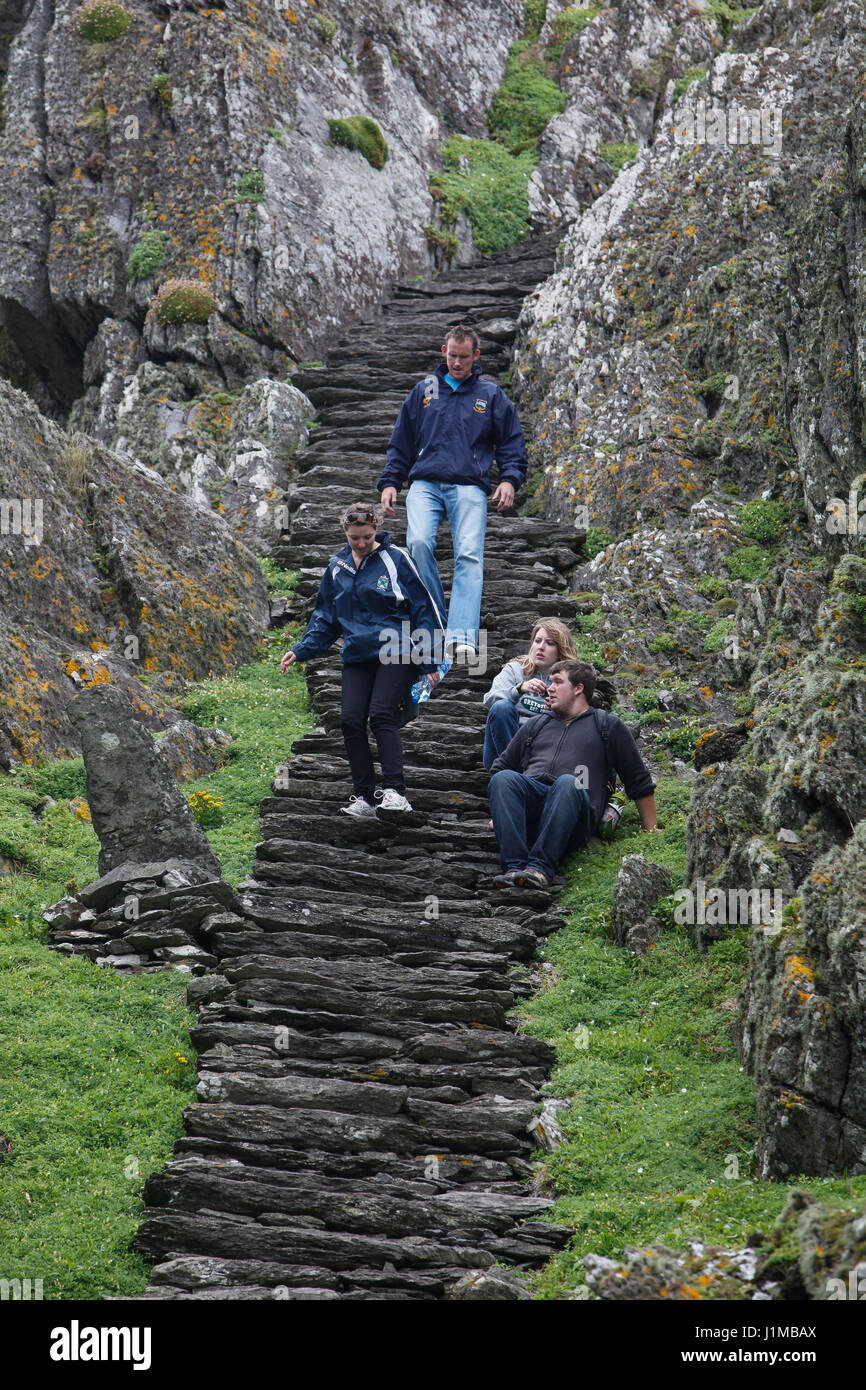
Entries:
{"x":451,"y":428}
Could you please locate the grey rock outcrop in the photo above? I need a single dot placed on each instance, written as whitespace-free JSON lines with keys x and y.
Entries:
{"x":812,"y":1252}
{"x":639,"y":885}
{"x":190,"y":751}
{"x":111,"y":576}
{"x":213,"y":127}
{"x":138,"y":813}
{"x":803,"y":1023}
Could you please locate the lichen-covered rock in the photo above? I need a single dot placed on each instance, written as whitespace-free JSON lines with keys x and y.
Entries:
{"x":618,"y":74}
{"x":488,"y":1285}
{"x":138,"y":812}
{"x":638,"y":887}
{"x":812,"y":1252}
{"x":109,"y":576}
{"x":803,"y":1023}
{"x":211,"y":126}
{"x":190,"y":751}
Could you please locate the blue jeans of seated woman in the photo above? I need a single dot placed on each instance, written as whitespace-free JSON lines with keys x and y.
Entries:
{"x":465,"y":505}
{"x":499,"y":730}
{"x":537,"y":823}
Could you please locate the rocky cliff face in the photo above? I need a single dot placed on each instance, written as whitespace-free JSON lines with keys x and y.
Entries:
{"x":107,"y":576}
{"x":194,"y":145}
{"x":697,"y":364}
{"x":211,"y":127}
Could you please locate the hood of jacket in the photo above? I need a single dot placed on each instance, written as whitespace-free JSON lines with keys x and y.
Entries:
{"x":442,"y":371}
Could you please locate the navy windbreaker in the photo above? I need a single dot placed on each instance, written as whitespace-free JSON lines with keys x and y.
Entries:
{"x":453,"y":436}
{"x":378,"y":608}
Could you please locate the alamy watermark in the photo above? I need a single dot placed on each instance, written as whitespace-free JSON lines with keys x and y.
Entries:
{"x":846,"y":516}
{"x":717,"y":907}
{"x":21,"y":1290}
{"x":22,"y":516}
{"x":713,"y":124}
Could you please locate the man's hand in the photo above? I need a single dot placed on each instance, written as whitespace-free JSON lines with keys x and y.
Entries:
{"x":389,"y":501}
{"x":503,"y":497}
{"x":287,"y":661}
{"x":434,"y":678}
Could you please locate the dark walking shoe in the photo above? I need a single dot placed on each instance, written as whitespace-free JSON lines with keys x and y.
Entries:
{"x":532,"y":878}
{"x":506,"y":880}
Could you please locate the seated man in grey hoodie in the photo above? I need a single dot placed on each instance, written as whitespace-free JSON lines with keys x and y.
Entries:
{"x":548,"y":789}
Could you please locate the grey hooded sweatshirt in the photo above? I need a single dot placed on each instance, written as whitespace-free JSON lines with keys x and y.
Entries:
{"x":506,"y":686}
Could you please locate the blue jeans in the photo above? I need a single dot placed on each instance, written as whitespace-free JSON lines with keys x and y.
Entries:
{"x":499,"y":730}
{"x":465,"y":506}
{"x":537,"y":824}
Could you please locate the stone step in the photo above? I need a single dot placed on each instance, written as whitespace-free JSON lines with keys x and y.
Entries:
{"x":361,"y":1122}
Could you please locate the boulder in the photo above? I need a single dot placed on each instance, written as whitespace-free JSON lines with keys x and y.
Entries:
{"x":639,"y":885}
{"x":138,"y":812}
{"x":190,"y":751}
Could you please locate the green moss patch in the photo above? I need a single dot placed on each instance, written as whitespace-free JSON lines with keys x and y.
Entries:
{"x":362,"y":134}
{"x":147,"y":256}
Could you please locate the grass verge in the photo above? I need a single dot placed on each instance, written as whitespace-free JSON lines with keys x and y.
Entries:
{"x":660,"y":1132}
{"x":96,"y":1069}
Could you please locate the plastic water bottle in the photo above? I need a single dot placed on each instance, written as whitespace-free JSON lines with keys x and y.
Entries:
{"x":423,"y":688}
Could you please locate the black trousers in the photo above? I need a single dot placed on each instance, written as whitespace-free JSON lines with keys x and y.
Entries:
{"x":373,"y":692}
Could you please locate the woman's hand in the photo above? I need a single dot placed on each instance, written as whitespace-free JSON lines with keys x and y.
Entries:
{"x":287,"y":661}
{"x":533,"y":687}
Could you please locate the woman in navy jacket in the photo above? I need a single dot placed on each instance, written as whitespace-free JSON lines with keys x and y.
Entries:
{"x":371,"y":594}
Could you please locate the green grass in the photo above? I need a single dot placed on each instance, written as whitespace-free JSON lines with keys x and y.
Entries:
{"x":763,"y":521}
{"x":147,"y":256}
{"x":617,"y":156}
{"x":525,"y":101}
{"x":484,"y":180}
{"x":685,"y":80}
{"x":91,"y":1095}
{"x":747,"y":562}
{"x":566,"y":24}
{"x":660,"y":1132}
{"x":91,"y":1091}
{"x":265,"y":711}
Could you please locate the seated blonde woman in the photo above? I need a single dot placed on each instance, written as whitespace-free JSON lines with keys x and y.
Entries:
{"x":520,"y":689}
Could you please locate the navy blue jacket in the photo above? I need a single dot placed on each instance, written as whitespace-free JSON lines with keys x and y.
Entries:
{"x":376,"y":608}
{"x":452,"y":436}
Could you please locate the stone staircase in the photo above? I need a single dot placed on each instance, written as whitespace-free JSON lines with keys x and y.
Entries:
{"x":364,"y":1113}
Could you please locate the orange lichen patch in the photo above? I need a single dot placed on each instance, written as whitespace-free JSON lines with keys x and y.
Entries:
{"x":801,"y":978}
{"x":790,"y":1100}
{"x":41,"y":567}
{"x":686,"y":1291}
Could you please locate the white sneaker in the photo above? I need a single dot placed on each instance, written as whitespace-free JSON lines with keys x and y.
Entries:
{"x":358,"y":806}
{"x":393,"y":801}
{"x":463,"y":653}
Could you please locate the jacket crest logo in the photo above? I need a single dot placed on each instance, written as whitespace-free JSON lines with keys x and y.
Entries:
{"x":382,"y":583}
{"x":480,"y":405}
{"x":426,"y":401}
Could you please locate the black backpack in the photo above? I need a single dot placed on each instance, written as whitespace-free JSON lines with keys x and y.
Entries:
{"x":601,"y":719}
